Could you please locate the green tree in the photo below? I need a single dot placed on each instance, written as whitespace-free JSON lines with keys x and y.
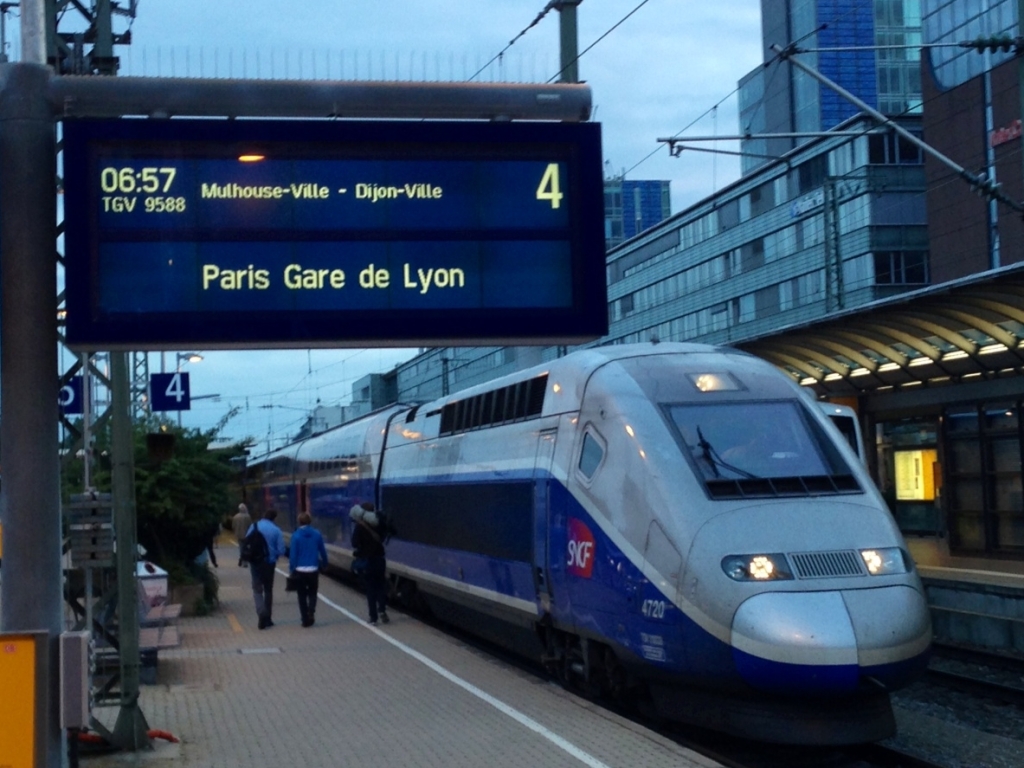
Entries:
{"x":179,"y":500}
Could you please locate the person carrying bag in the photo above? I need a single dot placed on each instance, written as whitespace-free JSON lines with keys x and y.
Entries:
{"x":368,"y":546}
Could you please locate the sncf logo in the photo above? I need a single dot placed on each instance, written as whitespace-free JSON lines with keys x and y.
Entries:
{"x":581,"y":549}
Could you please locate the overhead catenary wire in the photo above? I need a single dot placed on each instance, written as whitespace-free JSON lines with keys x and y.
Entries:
{"x":544,"y":12}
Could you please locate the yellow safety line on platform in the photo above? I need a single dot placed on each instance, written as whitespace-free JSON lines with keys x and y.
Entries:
{"x":234,"y":623}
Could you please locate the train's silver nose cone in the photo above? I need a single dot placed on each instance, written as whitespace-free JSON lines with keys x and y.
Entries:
{"x":795,"y":641}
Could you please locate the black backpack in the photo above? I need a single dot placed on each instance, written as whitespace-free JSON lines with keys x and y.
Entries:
{"x":254,"y":547}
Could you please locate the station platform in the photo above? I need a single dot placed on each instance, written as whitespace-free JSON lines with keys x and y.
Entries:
{"x":343,"y":692}
{"x":978,"y":608}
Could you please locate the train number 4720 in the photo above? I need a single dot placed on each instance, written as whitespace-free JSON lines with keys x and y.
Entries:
{"x":653,"y":609}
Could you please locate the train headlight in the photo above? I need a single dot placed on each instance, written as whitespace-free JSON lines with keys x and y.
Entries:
{"x":756,"y":567}
{"x":881,"y":562}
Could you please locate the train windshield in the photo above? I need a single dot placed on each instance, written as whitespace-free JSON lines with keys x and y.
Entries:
{"x":754,"y":440}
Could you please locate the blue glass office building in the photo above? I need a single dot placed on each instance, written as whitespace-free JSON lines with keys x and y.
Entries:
{"x":846,"y":41}
{"x":631,"y":206}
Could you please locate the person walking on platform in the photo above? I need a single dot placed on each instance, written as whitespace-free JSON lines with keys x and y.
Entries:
{"x":307,"y":556}
{"x":262,"y":566}
{"x":240,"y":525}
{"x":368,"y":544}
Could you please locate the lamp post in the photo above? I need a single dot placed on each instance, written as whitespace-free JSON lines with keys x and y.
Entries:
{"x":185,"y":357}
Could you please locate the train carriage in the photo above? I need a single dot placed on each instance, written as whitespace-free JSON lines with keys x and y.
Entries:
{"x":674,"y":521}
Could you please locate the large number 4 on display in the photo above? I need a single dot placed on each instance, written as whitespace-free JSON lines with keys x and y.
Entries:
{"x":549,"y":188}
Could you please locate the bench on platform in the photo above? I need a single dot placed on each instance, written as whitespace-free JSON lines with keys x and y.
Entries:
{"x":156,"y":615}
{"x":156,"y":633}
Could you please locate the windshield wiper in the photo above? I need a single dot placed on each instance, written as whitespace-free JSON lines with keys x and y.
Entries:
{"x":710,"y":455}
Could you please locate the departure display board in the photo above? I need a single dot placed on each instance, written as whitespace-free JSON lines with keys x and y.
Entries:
{"x":220,"y":234}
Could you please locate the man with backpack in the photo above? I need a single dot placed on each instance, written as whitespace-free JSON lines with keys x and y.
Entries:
{"x":262,"y":545}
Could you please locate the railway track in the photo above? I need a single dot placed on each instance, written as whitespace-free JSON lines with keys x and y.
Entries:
{"x":977,"y":673}
{"x":733,"y":753}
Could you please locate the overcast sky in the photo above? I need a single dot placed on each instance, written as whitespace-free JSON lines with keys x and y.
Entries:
{"x":661,"y":72}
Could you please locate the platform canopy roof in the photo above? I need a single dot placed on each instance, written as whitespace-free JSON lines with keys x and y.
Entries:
{"x":961,"y":331}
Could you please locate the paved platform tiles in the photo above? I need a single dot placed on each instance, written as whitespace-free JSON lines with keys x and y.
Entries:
{"x":345,"y":693}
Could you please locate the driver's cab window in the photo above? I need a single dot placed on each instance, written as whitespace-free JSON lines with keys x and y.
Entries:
{"x":591,"y":454}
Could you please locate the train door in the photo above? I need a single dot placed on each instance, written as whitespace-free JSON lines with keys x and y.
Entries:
{"x":542,"y":518}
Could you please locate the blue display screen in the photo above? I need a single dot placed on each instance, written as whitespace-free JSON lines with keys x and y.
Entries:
{"x":223,"y":234}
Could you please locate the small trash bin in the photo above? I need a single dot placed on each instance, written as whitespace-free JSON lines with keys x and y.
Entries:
{"x":153,"y":579}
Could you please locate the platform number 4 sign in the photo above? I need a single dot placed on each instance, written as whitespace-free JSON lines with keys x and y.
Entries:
{"x":169,"y":391}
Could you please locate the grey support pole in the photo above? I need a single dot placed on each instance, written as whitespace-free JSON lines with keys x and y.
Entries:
{"x":31,"y":595}
{"x":130,"y":730}
{"x":569,"y":42}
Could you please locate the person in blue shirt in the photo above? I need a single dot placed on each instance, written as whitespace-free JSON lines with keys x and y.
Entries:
{"x":262,"y":574}
{"x":307,"y":556}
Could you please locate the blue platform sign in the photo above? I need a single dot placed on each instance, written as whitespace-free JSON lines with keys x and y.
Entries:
{"x":169,"y":392}
{"x":70,"y":397}
{"x":246,"y":233}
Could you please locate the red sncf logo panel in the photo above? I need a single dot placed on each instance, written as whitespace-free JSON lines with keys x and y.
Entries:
{"x":581,"y":549}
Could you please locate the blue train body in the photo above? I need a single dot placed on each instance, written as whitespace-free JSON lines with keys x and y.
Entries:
{"x":673,"y":521}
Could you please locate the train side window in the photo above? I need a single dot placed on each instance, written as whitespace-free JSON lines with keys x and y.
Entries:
{"x":591,"y":454}
{"x":499,"y":405}
{"x":448,"y":423}
{"x":518,"y":400}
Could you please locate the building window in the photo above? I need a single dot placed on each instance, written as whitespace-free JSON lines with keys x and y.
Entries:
{"x":892,"y":149}
{"x":720,"y":317}
{"x":752,"y":255}
{"x":786,"y":296}
{"x":766,"y":301}
{"x":810,"y":287}
{"x":811,"y":174}
{"x":901,"y":268}
{"x":729,"y":215}
{"x":747,"y":308}
{"x":857,"y":272}
{"x":812,"y":231}
{"x":983,"y":475}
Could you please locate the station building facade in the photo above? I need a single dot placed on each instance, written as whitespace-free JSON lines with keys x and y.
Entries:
{"x":869,"y":271}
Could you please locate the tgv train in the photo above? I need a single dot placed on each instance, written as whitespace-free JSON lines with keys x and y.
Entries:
{"x":671,"y":522}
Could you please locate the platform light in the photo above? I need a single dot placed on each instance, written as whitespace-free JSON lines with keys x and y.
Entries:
{"x":992,"y":349}
{"x":957,"y":354}
{"x":886,"y":367}
{"x":920,"y":361}
{"x":860,"y":372}
{"x":251,"y":158}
